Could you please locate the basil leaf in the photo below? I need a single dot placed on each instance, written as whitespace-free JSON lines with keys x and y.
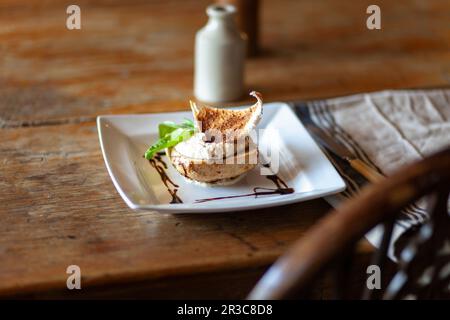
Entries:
{"x":167,"y":127}
{"x":187,"y":123}
{"x":170,"y":135}
{"x":157,"y":146}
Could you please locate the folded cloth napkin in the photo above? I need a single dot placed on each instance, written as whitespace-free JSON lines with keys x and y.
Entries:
{"x":386,"y":130}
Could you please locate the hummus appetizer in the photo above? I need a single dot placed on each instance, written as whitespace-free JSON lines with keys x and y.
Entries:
{"x":216,"y":148}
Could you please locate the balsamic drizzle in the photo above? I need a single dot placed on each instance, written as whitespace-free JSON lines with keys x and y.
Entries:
{"x":255,"y":193}
{"x":282,"y":188}
{"x":160,"y":166}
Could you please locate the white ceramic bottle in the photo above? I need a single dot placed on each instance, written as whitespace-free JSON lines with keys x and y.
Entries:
{"x":219,"y":57}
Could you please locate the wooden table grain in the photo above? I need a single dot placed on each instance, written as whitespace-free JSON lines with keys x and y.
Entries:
{"x":58,"y":205}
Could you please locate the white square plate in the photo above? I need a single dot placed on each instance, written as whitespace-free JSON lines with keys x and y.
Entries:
{"x":302,"y":166}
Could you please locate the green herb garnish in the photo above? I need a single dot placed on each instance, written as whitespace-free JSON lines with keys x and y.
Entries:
{"x":171,"y":134}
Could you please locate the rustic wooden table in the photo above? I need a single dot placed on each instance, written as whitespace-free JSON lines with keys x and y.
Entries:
{"x":58,"y":205}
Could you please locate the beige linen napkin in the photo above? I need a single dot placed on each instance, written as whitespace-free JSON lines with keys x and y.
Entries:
{"x":387,"y":130}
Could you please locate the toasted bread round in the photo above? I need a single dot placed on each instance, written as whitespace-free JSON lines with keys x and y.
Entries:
{"x":213,"y":171}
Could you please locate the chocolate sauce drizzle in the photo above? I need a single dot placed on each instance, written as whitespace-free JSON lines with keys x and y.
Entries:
{"x":160,"y":166}
{"x":282,"y":188}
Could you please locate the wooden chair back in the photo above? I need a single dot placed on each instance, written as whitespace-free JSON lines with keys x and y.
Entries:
{"x":423,"y":269}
